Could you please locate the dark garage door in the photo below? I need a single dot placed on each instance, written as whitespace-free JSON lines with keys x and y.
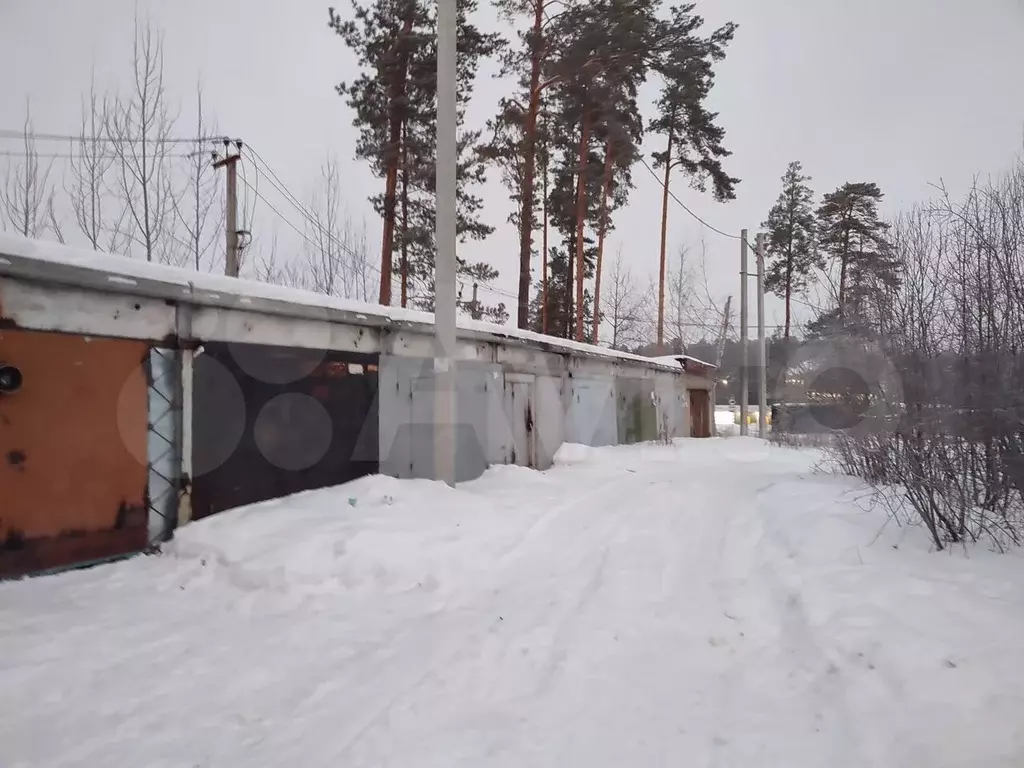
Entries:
{"x":271,"y":421}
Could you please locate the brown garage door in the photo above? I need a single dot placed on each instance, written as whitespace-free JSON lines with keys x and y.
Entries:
{"x":700,"y":413}
{"x":72,"y":450}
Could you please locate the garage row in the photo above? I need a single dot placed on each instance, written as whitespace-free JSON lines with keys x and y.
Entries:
{"x":112,"y":436}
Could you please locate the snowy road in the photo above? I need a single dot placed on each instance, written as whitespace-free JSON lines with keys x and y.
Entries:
{"x":714,"y":603}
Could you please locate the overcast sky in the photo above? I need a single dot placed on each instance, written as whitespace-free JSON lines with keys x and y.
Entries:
{"x":900,"y":92}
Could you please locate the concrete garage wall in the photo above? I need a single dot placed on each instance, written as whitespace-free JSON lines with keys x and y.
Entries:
{"x":406,"y":407}
{"x":520,"y":395}
{"x":522,"y":411}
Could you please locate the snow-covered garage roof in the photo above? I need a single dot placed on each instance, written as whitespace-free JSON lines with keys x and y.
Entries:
{"x":39,"y":260}
{"x":682,"y":360}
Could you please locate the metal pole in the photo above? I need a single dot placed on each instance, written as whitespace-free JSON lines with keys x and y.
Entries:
{"x":744,"y":375}
{"x":762,"y":358}
{"x":444,"y":265}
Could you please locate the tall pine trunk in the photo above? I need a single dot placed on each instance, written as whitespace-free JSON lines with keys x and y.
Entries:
{"x":789,"y":294}
{"x":569,"y":281}
{"x":581,"y":217}
{"x":388,"y":241}
{"x":842,"y":274}
{"x":602,"y":228}
{"x":405,"y":216}
{"x":396,"y":119}
{"x":529,"y":164}
{"x":664,"y":239}
{"x":544,"y":256}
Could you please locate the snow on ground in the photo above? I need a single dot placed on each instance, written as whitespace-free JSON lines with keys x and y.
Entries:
{"x":711,"y":603}
{"x":726,"y":421}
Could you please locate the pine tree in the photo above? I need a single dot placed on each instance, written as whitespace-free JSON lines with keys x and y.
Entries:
{"x":389,"y":37}
{"x":394,"y":100}
{"x":851,"y":233}
{"x":693,"y":139}
{"x":528,"y":59}
{"x":580,"y":68}
{"x":603,"y":54}
{"x":620,"y":125}
{"x":790,"y":253}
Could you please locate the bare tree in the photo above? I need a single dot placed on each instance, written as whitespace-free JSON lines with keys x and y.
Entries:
{"x":51,"y":219}
{"x":362,"y":270}
{"x":26,"y":196}
{"x":202,"y":195}
{"x":325,"y":254}
{"x":139,"y":129}
{"x":681,"y":303}
{"x":337,"y":256}
{"x":950,"y":437}
{"x":268,"y":269}
{"x":624,"y":306}
{"x":91,"y":159}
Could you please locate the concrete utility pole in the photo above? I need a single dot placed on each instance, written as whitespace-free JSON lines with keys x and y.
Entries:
{"x":230,"y":163}
{"x":444,"y":265}
{"x":744,"y":375}
{"x":762,"y":383}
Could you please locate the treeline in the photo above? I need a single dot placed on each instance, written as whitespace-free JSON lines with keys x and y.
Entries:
{"x":565,"y":143}
{"x":841,"y":245}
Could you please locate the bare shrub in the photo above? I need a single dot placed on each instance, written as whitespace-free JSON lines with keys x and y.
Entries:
{"x":953,"y":329}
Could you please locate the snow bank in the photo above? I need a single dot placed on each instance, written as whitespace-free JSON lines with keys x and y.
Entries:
{"x":573,"y":453}
{"x":374,"y":535}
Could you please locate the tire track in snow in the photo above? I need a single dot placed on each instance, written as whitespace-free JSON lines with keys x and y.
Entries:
{"x":826,"y":686}
{"x":570,"y":563}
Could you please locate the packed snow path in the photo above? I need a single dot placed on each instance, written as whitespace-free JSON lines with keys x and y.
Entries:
{"x":712,"y":603}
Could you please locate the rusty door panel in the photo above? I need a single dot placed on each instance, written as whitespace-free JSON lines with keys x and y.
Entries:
{"x":700,"y":413}
{"x":72,"y":450}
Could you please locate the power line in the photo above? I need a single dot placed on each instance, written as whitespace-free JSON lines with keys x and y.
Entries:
{"x":683,"y":205}
{"x":287,"y":221}
{"x":62,"y":155}
{"x":275,"y":181}
{"x":249,"y":216}
{"x":280,"y":215}
{"x":16,"y":135}
{"x":498,"y":291}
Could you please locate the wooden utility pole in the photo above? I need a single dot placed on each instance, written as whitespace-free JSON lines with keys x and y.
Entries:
{"x":744,"y":373}
{"x":475,"y":311}
{"x":762,"y":381}
{"x":230,"y":163}
{"x":664,"y":243}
